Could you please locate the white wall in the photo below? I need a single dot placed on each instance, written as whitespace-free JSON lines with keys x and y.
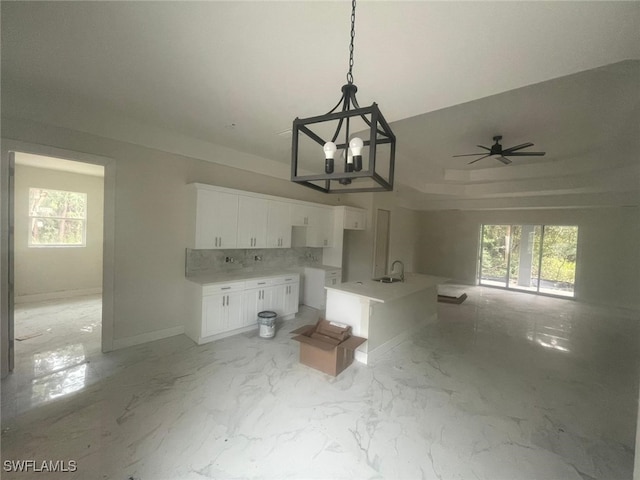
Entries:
{"x":359,"y":244}
{"x":57,"y":270}
{"x":607,"y":271}
{"x":151,"y":220}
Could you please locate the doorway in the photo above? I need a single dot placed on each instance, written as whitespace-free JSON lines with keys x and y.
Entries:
{"x":42,"y":231}
{"x":531,"y":258}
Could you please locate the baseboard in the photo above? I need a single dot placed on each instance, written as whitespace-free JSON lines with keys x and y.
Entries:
{"x":119,"y":343}
{"x":43,"y":297}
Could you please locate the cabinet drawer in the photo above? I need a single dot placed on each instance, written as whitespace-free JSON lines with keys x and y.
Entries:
{"x":218,"y":288}
{"x":261,"y":282}
{"x":289,"y":279}
{"x":330,"y":282}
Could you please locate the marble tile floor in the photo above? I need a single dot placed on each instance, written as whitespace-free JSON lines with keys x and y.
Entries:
{"x":504,"y":386}
{"x":59,"y":338}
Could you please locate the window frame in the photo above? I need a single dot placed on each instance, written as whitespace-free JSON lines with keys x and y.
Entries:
{"x":82,"y":220}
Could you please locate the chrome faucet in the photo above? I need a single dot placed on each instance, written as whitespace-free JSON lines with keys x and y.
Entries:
{"x":393,"y":268}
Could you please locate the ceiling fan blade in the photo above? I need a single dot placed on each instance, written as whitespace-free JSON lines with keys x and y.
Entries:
{"x":525,"y":154}
{"x":517,"y":147}
{"x":482,"y":146}
{"x":504,"y":160}
{"x":474,"y":161}
{"x":469,"y":154}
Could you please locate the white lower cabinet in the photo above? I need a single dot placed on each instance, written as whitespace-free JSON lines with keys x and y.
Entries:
{"x":291,"y":297}
{"x":315,"y":279}
{"x":258,"y":300}
{"x":230,"y":308}
{"x":221,"y":313}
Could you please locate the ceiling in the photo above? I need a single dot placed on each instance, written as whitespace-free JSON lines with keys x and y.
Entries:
{"x":199,"y":78}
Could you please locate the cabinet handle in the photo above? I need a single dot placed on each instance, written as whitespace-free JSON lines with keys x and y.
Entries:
{"x":225,"y":288}
{"x":288,"y":279}
{"x":223,"y":297}
{"x":262,"y":283}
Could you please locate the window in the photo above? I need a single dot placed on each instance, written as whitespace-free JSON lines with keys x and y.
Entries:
{"x":534,"y":258}
{"x":57,"y":218}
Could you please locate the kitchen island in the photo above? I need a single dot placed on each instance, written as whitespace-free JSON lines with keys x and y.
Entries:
{"x":384,"y":313}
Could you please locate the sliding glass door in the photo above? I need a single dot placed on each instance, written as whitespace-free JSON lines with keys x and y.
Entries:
{"x":495,"y":255}
{"x":534,"y":258}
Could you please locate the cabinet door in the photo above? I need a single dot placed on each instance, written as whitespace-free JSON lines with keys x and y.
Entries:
{"x":325,"y":223}
{"x":301,"y":215}
{"x":213,"y":314}
{"x":233,"y":307}
{"x":252,"y":222}
{"x":275,"y":298}
{"x":320,"y":234}
{"x":279,"y":225}
{"x":291,"y":295}
{"x":216,"y":219}
{"x":252,"y":301}
{"x":354,"y":220}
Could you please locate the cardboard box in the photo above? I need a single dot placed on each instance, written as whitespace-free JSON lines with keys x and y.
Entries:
{"x":327,"y":346}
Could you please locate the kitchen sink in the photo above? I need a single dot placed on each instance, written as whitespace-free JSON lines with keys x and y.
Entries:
{"x":387,"y":279}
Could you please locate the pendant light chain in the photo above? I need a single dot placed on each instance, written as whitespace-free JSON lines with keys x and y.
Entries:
{"x":353,"y":34}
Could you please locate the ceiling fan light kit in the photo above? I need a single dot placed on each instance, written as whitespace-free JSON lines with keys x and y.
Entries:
{"x":345,"y":169}
{"x":498,"y":153}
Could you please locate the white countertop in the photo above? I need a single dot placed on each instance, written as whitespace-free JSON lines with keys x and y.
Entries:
{"x":386,"y":292}
{"x":323,"y":267}
{"x":224,"y":277}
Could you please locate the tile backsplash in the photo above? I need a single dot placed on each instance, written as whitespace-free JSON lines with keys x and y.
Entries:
{"x":201,"y":262}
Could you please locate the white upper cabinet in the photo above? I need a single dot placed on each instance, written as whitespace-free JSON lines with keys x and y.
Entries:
{"x":252,"y":222}
{"x":302,"y":215}
{"x":354,"y":219}
{"x":216,"y":220}
{"x":319,"y":232}
{"x":228,"y":218}
{"x":278,"y":224}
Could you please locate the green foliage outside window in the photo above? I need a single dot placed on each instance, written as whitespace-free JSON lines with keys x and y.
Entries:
{"x":57,"y":217}
{"x":559,"y":252}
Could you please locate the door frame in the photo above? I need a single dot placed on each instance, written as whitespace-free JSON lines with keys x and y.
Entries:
{"x":108,"y":249}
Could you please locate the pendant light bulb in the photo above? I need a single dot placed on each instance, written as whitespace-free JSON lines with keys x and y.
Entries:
{"x":349,"y":164}
{"x":355,"y":148}
{"x":329,"y":152}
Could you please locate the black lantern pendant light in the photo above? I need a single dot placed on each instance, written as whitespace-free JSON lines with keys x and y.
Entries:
{"x":351,"y":163}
